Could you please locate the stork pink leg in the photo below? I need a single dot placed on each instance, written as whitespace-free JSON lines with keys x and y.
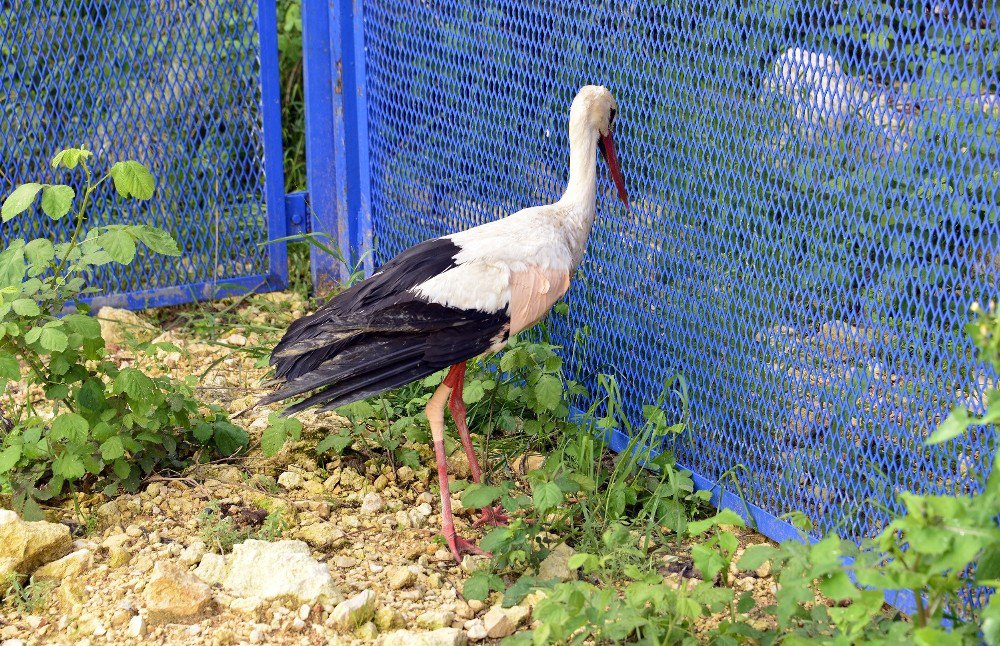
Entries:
{"x":435,"y":416}
{"x":455,"y":380}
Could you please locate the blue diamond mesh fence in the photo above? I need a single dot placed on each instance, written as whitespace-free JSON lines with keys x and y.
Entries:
{"x":180,"y":86}
{"x":815,"y":192}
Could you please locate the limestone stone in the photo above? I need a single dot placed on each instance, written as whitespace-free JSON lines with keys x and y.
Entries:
{"x":174,"y":595}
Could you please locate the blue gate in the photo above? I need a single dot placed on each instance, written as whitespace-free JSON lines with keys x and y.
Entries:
{"x":188,"y":88}
{"x":815,"y":197}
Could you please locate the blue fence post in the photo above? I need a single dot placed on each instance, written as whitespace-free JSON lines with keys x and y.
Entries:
{"x":336,"y":136}
{"x":274,"y":199}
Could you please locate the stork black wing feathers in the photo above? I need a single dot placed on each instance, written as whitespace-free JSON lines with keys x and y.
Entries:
{"x":378,"y":335}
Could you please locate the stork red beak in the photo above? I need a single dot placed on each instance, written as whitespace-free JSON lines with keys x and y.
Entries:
{"x":607,"y":146}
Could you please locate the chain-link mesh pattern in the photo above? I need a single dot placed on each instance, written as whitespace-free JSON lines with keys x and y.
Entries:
{"x":815,"y":193}
{"x":173,"y":84}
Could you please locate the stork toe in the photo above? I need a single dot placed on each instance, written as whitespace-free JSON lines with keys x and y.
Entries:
{"x":460,"y":546}
{"x":492,"y":516}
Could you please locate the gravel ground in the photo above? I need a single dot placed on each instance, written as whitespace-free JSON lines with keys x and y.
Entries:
{"x":145,"y":573}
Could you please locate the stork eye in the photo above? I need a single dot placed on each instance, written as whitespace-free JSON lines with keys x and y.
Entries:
{"x":614,"y":112}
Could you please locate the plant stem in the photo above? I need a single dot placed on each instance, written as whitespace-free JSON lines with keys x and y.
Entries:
{"x":80,"y":218}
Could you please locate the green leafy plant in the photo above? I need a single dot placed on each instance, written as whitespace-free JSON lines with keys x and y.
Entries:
{"x":223,"y":526}
{"x":95,"y":423}
{"x":25,"y":596}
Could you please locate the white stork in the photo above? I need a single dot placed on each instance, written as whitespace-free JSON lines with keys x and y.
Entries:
{"x":450,"y":299}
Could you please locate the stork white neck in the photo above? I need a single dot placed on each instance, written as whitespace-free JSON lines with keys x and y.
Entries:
{"x":581,"y":190}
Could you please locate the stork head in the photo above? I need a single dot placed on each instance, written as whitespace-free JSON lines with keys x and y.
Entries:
{"x":594,"y":109}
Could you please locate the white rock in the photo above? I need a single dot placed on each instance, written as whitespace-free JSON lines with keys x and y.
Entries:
{"x":502,"y":622}
{"x":424,"y":509}
{"x":440,"y":637}
{"x":556,"y":564}
{"x":357,"y":610}
{"x":263,"y":570}
{"x":193,"y":553}
{"x":372,"y":504}
{"x":401,"y":577}
{"x":68,"y":566}
{"x":290,"y":480}
{"x":212,"y":568}
{"x":118,"y":326}
{"x":137,"y":627}
{"x":304,"y":611}
{"x":26,"y":545}
{"x":477,"y":630}
{"x":434,"y":619}
{"x":174,"y":595}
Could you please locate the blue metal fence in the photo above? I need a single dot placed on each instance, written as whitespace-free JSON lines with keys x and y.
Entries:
{"x":190,"y":89}
{"x":815,"y":192}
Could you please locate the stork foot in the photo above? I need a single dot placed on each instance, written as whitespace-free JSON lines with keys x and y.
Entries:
{"x":460,"y":546}
{"x":492,"y":516}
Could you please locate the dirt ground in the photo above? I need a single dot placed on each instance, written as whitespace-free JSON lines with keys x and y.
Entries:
{"x":373,"y":528}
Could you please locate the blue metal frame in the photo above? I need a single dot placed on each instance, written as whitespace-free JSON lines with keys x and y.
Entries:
{"x":336,"y":135}
{"x":274,"y":175}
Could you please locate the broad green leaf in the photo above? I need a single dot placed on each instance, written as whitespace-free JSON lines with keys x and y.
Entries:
{"x":202,"y":432}
{"x":546,"y":496}
{"x":755,"y":556}
{"x":134,"y":383}
{"x":19,"y":201}
{"x":119,"y":245}
{"x":746,"y":602}
{"x":112,"y":448}
{"x":70,"y":157}
{"x":988,"y":566}
{"x":336,"y":441}
{"x":548,"y":391}
{"x":26,"y":307}
{"x":480,"y":495}
{"x":724,"y":517}
{"x":71,"y":427}
{"x":132,"y":179}
{"x":12,"y":267}
{"x":230,"y":438}
{"x":39,"y":251}
{"x":86,"y":326}
{"x":953,"y":426}
{"x":53,"y":339}
{"x":581,"y":560}
{"x":57,"y":200}
{"x":9,"y":367}
{"x":122,"y":468}
{"x":990,"y":618}
{"x":158,"y":240}
{"x":68,"y":466}
{"x":479,"y":584}
{"x":9,"y":457}
{"x":708,"y":561}
{"x":839,"y":586}
{"x":272,"y":439}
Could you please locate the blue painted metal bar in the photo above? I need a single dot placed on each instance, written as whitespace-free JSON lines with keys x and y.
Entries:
{"x":337,"y":136}
{"x":323,"y":111}
{"x":274,"y":186}
{"x":296,"y":213}
{"x":356,"y":131}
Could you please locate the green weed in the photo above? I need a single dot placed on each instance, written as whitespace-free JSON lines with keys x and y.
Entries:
{"x":25,"y":597}
{"x":111,"y":426}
